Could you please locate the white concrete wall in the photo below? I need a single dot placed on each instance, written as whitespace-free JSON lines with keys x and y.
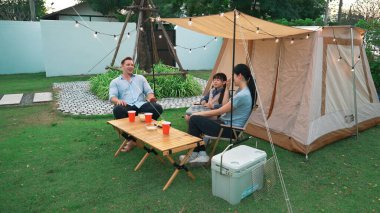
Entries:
{"x":59,"y":48}
{"x":68,"y":50}
{"x":198,"y":59}
{"x":20,"y":47}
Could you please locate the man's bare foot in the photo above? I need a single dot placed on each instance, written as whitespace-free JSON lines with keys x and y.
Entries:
{"x":130,"y":145}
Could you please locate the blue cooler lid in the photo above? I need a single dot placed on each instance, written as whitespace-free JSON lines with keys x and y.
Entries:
{"x":239,"y":158}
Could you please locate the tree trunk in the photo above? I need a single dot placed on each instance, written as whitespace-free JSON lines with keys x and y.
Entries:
{"x":340,"y":10}
{"x":32,"y":5}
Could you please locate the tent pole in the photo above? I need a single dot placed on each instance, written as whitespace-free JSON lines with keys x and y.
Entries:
{"x":232,"y":78}
{"x":354,"y":81}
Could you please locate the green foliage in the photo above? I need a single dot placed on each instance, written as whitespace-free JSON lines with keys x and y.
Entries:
{"x":300,"y":22}
{"x":372,"y":39}
{"x":19,"y":10}
{"x":174,"y":85}
{"x":166,"y":86}
{"x":99,"y":84}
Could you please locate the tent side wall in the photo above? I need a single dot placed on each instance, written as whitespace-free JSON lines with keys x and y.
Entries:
{"x":306,"y":93}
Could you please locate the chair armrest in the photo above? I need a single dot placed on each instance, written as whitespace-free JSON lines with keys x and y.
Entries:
{"x":233,"y":127}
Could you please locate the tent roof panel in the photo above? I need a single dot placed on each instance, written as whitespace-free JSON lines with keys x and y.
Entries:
{"x":246,"y":26}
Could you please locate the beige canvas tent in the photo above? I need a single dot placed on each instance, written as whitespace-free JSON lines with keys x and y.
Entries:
{"x":304,"y":78}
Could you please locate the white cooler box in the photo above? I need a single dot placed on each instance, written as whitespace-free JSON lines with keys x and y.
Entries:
{"x":236,"y":180}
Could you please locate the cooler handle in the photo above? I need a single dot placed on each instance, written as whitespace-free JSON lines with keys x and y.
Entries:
{"x":221,"y":158}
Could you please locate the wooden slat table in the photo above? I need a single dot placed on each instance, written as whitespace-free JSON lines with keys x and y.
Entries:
{"x":154,"y":141}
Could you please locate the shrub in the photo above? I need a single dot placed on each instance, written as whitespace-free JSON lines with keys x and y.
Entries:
{"x":165,"y":86}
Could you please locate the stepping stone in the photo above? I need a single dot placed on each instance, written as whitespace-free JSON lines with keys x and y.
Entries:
{"x":42,"y":97}
{"x":11,"y":99}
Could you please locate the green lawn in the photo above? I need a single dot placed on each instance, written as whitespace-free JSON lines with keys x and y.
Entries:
{"x":37,"y":82}
{"x":51,"y":162}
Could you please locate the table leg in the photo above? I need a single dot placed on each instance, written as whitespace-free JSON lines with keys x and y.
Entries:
{"x":178,"y":168}
{"x":142,"y":161}
{"x":121,"y":146}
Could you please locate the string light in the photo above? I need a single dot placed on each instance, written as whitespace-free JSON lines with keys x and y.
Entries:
{"x":76,"y":24}
{"x":159,"y":36}
{"x":128,"y":35}
{"x":141,"y":28}
{"x":204,"y":48}
{"x":352,"y":69}
{"x":123,"y":12}
{"x":189,"y":50}
{"x":238,"y":15}
{"x":95,"y":34}
{"x":115,"y":37}
{"x":292,"y":41}
{"x":359,"y":57}
{"x":190,"y":22}
{"x":334,"y":39}
{"x":257,"y":30}
{"x":340,"y":58}
{"x":215,"y":39}
{"x":307,"y":36}
{"x":277,"y":40}
{"x":221,"y":14}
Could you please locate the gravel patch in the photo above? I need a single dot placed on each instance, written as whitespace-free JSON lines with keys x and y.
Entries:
{"x":75,"y":98}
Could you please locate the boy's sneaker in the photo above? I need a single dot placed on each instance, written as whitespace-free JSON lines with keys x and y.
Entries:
{"x":200,"y":160}
{"x":192,"y":156}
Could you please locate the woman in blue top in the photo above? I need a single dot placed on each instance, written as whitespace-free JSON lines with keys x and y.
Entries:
{"x":243,"y":102}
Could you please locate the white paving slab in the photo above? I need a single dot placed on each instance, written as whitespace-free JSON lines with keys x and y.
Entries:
{"x":42,"y":97}
{"x":11,"y":99}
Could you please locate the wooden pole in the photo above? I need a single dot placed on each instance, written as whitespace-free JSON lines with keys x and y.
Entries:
{"x":121,"y":37}
{"x":139,"y":22}
{"x":171,"y":47}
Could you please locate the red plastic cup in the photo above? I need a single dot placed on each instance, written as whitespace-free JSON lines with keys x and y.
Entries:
{"x":131,"y":115}
{"x":165,"y":127}
{"x":148,"y":117}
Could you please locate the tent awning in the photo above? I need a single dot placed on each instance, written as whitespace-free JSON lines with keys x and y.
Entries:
{"x":247,"y":27}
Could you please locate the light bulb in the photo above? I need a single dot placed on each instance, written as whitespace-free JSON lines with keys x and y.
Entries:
{"x":257,"y":30}
{"x":158,"y":18}
{"x":159,"y":36}
{"x":277,"y":40}
{"x":76,"y":24}
{"x":190,"y":22}
{"x":123,"y":11}
{"x":307,"y":36}
{"x":189,"y":50}
{"x":128,"y":35}
{"x":221,"y":14}
{"x":115,"y":37}
{"x":175,"y":27}
{"x":175,"y":47}
{"x":215,"y":39}
{"x":340,"y":58}
{"x":95,"y":34}
{"x":292,"y":41}
{"x":334,"y":39}
{"x":141,"y":29}
{"x":204,"y":48}
{"x":352,"y":70}
{"x":359,"y":57}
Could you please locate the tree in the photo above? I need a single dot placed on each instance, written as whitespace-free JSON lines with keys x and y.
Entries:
{"x":19,"y":10}
{"x":368,"y":9}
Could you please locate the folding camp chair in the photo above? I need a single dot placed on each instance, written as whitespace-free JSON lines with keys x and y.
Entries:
{"x":238,"y":136}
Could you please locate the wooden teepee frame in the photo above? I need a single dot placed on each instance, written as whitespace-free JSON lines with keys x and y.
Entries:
{"x":140,"y":9}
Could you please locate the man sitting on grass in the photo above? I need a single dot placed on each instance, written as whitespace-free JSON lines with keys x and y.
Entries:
{"x":132,"y":92}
